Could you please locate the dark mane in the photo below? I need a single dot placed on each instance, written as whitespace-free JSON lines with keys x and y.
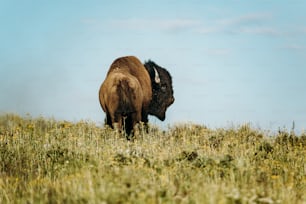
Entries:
{"x":149,"y":65}
{"x":162,"y":91}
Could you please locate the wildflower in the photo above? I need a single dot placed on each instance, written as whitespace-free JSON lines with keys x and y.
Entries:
{"x":30,"y":126}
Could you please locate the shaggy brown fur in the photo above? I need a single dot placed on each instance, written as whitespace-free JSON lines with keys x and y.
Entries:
{"x":132,"y":90}
{"x":126,"y":93}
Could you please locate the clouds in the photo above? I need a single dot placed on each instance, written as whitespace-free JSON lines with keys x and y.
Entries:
{"x":251,"y":24}
{"x":295,"y":47}
{"x":260,"y":30}
{"x":264,"y":27}
{"x":258,"y":23}
{"x":245,"y":20}
{"x":168,"y":25}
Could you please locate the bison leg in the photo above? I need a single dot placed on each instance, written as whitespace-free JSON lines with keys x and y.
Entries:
{"x":116,"y":127}
{"x":131,"y":124}
{"x":136,"y":118}
{"x":117,"y":122}
{"x":108,"y":120}
{"x":144,"y":119}
{"x":128,"y":125}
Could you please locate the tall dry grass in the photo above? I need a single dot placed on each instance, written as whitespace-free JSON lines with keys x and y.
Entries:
{"x":48,"y":161}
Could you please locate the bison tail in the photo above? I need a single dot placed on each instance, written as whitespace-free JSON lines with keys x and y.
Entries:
{"x":126,"y":97}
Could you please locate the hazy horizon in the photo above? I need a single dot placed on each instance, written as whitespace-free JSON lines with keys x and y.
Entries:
{"x":232,"y":62}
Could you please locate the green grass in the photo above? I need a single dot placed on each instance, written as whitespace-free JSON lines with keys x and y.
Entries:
{"x":48,"y":161}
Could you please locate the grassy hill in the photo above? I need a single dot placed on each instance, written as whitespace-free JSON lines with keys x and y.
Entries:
{"x":48,"y":161}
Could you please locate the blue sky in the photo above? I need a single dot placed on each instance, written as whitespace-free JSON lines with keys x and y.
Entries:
{"x":232,"y":61}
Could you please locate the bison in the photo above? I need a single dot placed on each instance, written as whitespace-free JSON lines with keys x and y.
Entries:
{"x":132,"y":90}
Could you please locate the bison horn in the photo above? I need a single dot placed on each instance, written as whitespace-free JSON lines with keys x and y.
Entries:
{"x":157,"y":79}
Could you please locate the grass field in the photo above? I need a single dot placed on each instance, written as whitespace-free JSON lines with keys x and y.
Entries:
{"x":48,"y":161}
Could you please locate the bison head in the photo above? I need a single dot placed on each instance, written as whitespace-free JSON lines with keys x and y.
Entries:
{"x":162,"y":91}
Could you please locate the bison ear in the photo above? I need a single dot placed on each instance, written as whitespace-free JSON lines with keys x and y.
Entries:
{"x":156,"y":78}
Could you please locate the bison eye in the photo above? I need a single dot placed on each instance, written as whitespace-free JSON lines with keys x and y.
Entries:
{"x":164,"y":88}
